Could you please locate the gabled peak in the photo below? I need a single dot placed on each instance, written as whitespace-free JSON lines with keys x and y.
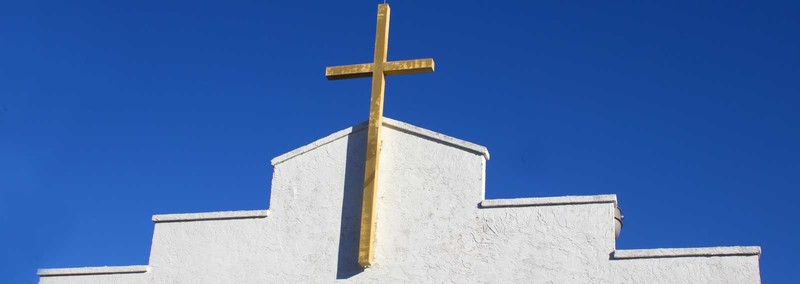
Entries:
{"x":420,"y":132}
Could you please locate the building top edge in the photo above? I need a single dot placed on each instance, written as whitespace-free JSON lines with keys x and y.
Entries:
{"x":391,"y":123}
{"x":92,"y":270}
{"x":549,"y":201}
{"x":687,"y":252}
{"x":221,"y":215}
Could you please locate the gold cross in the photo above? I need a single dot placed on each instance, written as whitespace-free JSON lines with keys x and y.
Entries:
{"x":378,"y":69}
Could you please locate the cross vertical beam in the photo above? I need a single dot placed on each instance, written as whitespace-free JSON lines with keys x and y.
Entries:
{"x":378,"y":70}
{"x":367,"y":233}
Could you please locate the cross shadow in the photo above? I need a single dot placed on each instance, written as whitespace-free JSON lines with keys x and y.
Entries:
{"x":347,"y":264}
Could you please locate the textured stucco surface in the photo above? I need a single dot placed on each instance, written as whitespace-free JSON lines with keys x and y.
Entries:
{"x":693,"y":269}
{"x":431,"y":227}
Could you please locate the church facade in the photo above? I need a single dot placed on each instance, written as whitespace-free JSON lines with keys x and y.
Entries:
{"x":433,"y":225}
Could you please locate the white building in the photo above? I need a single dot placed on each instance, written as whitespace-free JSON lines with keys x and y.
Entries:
{"x":433,"y":226}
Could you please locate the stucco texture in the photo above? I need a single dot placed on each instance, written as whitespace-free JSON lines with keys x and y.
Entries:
{"x":431,"y":228}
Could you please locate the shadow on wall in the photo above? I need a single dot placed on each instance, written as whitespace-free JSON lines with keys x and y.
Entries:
{"x":347,"y":264}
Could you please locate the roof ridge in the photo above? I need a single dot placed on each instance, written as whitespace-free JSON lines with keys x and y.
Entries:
{"x":391,"y":123}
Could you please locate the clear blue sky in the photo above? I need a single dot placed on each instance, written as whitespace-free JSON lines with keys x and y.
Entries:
{"x":113,"y":111}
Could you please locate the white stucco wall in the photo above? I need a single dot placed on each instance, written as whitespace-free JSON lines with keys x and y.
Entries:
{"x":704,"y":265}
{"x":433,"y":225}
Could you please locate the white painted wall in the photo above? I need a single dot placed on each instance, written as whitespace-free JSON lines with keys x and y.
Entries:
{"x":432,"y":227}
{"x":690,"y":269}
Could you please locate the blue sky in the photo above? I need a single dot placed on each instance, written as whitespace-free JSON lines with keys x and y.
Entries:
{"x":113,"y":111}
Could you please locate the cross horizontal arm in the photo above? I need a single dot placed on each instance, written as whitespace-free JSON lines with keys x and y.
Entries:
{"x":390,"y":68}
{"x":408,"y":66}
{"x":349,"y":71}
